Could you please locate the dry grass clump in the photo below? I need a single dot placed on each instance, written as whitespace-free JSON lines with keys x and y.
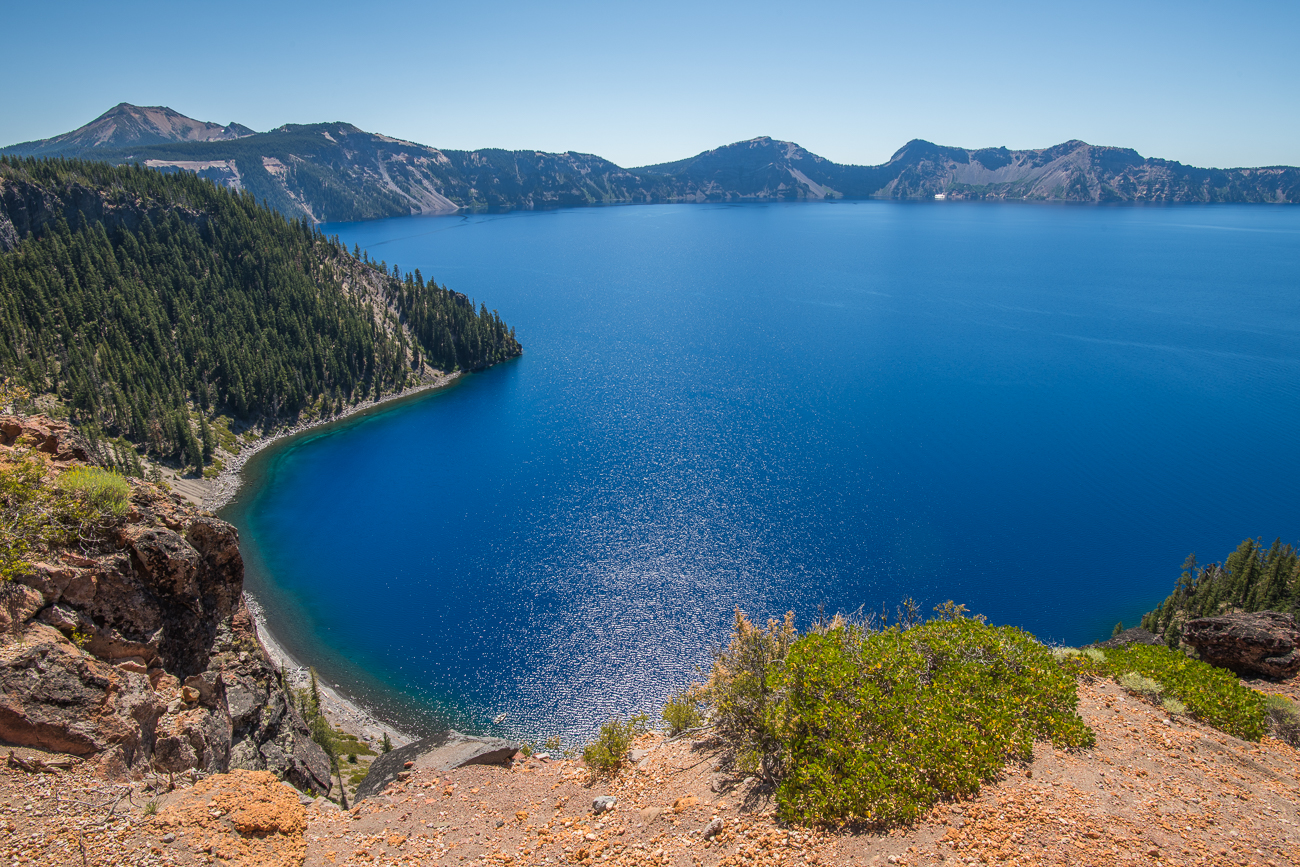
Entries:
{"x":103,"y":491}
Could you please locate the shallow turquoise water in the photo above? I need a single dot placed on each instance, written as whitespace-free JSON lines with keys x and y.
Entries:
{"x":1038,"y":411}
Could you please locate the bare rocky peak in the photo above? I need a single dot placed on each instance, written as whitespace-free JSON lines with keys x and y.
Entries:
{"x":126,"y":125}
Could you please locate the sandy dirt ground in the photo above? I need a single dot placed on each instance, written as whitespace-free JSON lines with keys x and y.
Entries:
{"x":1154,"y":790}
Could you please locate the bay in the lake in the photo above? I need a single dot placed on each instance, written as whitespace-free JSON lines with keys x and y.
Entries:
{"x":1034,"y":410}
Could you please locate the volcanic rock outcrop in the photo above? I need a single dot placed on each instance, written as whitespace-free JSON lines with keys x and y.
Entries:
{"x":137,"y":648}
{"x":1262,"y":642}
{"x":440,"y":753}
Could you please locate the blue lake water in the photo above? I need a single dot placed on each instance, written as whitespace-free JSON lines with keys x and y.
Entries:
{"x":1036,"y":411}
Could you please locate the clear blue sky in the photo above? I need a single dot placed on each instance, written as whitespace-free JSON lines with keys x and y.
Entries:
{"x":1204,"y":83}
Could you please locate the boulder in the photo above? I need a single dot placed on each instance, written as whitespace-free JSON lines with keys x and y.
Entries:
{"x":1259,"y":643}
{"x":18,"y":604}
{"x":54,"y":438}
{"x":55,"y":697}
{"x":248,"y":817}
{"x":444,"y":752}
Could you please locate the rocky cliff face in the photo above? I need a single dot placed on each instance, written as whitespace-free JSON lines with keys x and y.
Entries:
{"x":1074,"y":171}
{"x":26,"y":207}
{"x":137,"y":649}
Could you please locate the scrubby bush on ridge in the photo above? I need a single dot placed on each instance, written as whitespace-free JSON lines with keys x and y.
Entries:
{"x":743,"y":692}
{"x":1284,"y":717}
{"x":879,"y":726}
{"x":682,"y":711}
{"x":39,"y":509}
{"x":856,"y":721}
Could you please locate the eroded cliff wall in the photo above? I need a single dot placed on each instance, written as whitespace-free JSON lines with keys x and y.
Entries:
{"x":135,"y":647}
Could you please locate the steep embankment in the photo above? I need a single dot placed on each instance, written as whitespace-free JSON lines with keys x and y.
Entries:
{"x":334,"y":172}
{"x":163,"y":310}
{"x":1153,"y":790}
{"x":124,"y":637}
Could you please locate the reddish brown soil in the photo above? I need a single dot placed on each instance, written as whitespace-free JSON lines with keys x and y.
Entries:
{"x":1153,"y":791}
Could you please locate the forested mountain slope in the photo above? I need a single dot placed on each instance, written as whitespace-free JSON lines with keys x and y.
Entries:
{"x":337,"y":172}
{"x":148,"y":303}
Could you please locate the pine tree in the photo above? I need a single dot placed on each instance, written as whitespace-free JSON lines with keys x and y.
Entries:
{"x":315,"y":694}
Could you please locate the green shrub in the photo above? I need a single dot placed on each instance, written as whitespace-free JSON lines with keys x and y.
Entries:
{"x":606,"y":753}
{"x":23,"y":522}
{"x":682,"y":711}
{"x":1212,"y":695}
{"x":1284,"y":717}
{"x":1173,"y":706}
{"x":876,"y":727}
{"x":351,"y":745}
{"x":102,"y":490}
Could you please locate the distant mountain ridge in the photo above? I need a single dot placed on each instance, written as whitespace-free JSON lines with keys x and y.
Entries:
{"x":1074,"y":171}
{"x":337,"y":172}
{"x":125,"y":125}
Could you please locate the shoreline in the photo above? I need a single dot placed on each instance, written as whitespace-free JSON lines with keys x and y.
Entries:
{"x":217,"y":493}
{"x":342,"y":713}
{"x":211,"y":495}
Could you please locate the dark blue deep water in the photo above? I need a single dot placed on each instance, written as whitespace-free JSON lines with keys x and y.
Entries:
{"x":1037,"y":411}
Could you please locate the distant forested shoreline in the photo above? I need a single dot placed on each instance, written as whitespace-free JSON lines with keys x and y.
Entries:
{"x":150,"y":304}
